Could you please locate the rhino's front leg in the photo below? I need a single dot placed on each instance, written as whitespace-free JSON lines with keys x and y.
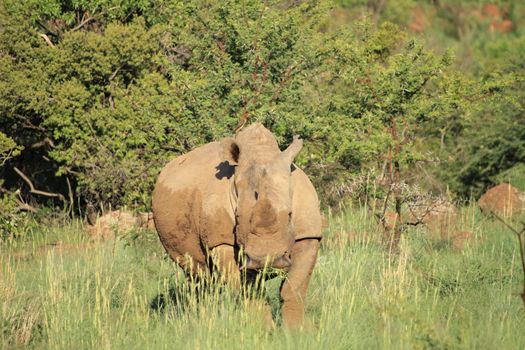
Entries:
{"x":223,"y":257}
{"x":293,"y":289}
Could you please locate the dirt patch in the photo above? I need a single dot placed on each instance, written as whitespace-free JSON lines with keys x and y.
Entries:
{"x":503,"y":200}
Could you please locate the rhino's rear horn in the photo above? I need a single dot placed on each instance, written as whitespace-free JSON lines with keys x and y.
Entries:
{"x":289,"y":154}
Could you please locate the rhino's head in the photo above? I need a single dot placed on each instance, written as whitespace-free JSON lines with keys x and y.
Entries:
{"x":262,"y":183}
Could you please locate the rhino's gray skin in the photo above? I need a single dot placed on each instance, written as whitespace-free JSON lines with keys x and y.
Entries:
{"x":241,"y":193}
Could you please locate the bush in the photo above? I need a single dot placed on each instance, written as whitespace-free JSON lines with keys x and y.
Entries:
{"x":111,"y":100}
{"x":8,"y":220}
{"x":101,"y":94}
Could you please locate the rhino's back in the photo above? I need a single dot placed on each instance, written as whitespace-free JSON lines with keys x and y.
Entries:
{"x":188,"y":190}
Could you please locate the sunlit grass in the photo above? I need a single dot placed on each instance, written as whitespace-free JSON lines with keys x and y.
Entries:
{"x":127,"y":294}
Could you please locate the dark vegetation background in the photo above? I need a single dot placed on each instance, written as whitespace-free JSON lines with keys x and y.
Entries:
{"x":96,"y":96}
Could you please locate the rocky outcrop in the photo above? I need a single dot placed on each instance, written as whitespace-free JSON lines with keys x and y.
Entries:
{"x":118,"y":222}
{"x":503,"y":200}
{"x":438,"y":216}
{"x":145,"y":220}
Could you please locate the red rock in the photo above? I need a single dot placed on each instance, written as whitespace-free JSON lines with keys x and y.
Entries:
{"x":390,"y":220}
{"x":146,"y":221}
{"x":492,"y":11}
{"x":503,"y":199}
{"x":504,"y":26}
{"x":111,"y":224}
{"x":439,"y":217}
{"x":419,"y":21}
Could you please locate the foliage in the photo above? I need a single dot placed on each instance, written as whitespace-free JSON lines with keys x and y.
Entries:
{"x":391,"y":97}
{"x":384,"y":79}
{"x":101,"y":94}
{"x":110,"y":102}
{"x":468,"y":150}
{"x":8,"y":219}
{"x":8,"y":149}
{"x":491,"y":140}
{"x":514,"y":176}
{"x":396,"y":11}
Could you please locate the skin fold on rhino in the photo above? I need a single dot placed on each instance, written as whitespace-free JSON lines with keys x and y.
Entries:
{"x":242,"y":195}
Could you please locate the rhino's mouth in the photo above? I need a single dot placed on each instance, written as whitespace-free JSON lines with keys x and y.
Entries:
{"x":258,"y":263}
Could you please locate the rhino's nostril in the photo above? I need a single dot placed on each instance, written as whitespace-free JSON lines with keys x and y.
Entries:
{"x":283,"y":262}
{"x":259,"y":262}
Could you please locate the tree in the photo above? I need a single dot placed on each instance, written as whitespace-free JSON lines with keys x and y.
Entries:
{"x":384,"y":101}
{"x":102,"y":94}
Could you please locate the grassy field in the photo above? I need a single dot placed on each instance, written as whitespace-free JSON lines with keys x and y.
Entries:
{"x":59,"y":291}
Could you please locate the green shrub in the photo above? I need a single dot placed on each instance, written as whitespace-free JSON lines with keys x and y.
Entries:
{"x":8,"y":220}
{"x":103,"y":93}
{"x":118,"y":97}
{"x":515,"y":176}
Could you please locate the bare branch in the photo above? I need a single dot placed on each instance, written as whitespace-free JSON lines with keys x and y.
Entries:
{"x":86,"y":18}
{"x":6,"y":156}
{"x":46,"y":38}
{"x":83,"y":23}
{"x":70,"y":193}
{"x":25,"y":207}
{"x":47,"y":141}
{"x":26,"y":123}
{"x":116,"y":72}
{"x":519,"y":235}
{"x":32,"y":188}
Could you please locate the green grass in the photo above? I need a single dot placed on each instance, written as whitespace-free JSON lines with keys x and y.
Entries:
{"x":117,"y":294}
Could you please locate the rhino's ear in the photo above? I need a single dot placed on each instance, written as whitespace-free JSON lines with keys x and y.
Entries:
{"x":230,"y":150}
{"x":289,"y":154}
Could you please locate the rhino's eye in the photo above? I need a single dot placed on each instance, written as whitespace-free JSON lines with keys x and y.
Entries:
{"x":290,"y":216}
{"x":256,"y":195}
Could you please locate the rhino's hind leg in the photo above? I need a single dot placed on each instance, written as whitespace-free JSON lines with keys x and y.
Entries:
{"x":293,"y":289}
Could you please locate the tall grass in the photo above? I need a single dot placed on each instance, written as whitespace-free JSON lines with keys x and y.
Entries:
{"x":127,"y":294}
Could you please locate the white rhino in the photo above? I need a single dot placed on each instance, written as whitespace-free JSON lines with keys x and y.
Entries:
{"x":242,"y":195}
